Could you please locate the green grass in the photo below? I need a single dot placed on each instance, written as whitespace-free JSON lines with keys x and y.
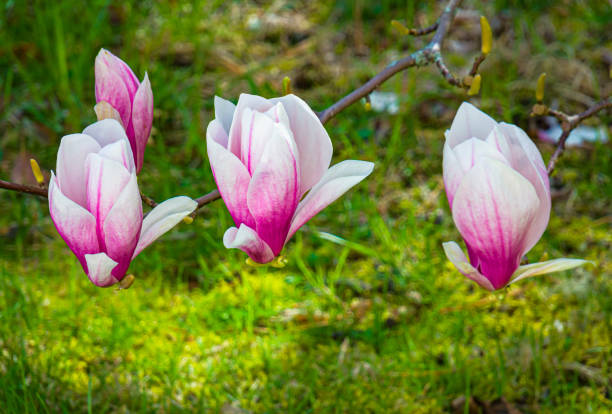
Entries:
{"x":368,"y":315}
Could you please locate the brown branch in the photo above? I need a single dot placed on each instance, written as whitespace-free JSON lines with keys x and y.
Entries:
{"x":424,"y":30}
{"x":148,"y":200}
{"x":477,"y":61}
{"x":423,"y":57}
{"x":23,"y":188}
{"x":568,"y":123}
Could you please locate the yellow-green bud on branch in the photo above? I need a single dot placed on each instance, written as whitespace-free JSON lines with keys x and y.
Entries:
{"x":486,"y":36}
{"x":540,"y":88}
{"x":40,"y":179}
{"x":286,"y":85}
{"x":475,"y":86}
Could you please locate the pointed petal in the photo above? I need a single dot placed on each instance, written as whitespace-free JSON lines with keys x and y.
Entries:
{"x":247,"y":240}
{"x":469,"y":122}
{"x":120,"y":152}
{"x":73,"y":151}
{"x":162,"y":218}
{"x":224,"y":113}
{"x":121,"y":68}
{"x":122,"y":225}
{"x":336,"y":181}
{"x":76,"y":225}
{"x":273,"y":193}
{"x":111,"y":88}
{"x":255,"y":103}
{"x":457,"y":257}
{"x":106,"y":132}
{"x":524,"y":157}
{"x":142,"y":120}
{"x":100,"y":267}
{"x":493,"y":209}
{"x":313,"y":143}
{"x":549,"y":266}
{"x":231,"y":176}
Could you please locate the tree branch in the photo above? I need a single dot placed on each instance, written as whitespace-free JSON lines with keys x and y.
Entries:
{"x":23,"y":188}
{"x":568,"y":123}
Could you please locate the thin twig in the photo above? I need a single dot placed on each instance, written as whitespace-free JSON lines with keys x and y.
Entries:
{"x":568,"y":123}
{"x":23,"y":188}
{"x":423,"y":57}
{"x":424,"y":30}
{"x":477,"y":61}
{"x":148,"y":200}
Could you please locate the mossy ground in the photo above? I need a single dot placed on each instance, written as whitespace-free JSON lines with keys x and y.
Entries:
{"x":368,"y":315}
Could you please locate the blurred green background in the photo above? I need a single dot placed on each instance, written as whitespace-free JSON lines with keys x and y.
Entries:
{"x":368,"y":315}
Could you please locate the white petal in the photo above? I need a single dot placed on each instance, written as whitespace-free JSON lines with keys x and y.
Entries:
{"x":73,"y":151}
{"x":224,"y":113}
{"x":106,"y":131}
{"x":100,"y":266}
{"x":469,"y":122}
{"x":255,"y":103}
{"x":119,"y":151}
{"x":457,"y":257}
{"x":162,"y":218}
{"x":549,"y":266}
{"x":336,"y":181}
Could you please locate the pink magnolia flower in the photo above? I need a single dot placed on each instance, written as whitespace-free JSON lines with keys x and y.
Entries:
{"x":498,"y":191}
{"x":95,"y":202}
{"x":117,"y":85}
{"x":270,"y":159}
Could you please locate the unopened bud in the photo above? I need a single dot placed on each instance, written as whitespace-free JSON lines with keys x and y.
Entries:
{"x":475,"y":86}
{"x":126,"y":282}
{"x":279,"y":262}
{"x":286,"y":85}
{"x":400,"y":27}
{"x":40,"y":179}
{"x":188,"y":219}
{"x":539,"y":109}
{"x":486,"y":36}
{"x":540,"y":88}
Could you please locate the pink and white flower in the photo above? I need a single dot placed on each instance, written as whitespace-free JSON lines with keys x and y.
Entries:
{"x":498,"y":191}
{"x":132,"y":100}
{"x":95,"y":202}
{"x":270,"y":159}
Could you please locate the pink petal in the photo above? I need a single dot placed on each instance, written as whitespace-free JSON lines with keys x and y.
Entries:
{"x":247,"y":240}
{"x":73,"y":151}
{"x":313,"y":143}
{"x":224,"y":113}
{"x":122,"y":225}
{"x":255,"y":103}
{"x":76,"y":225}
{"x":111,"y":88}
{"x":106,"y":131}
{"x":493,"y":209}
{"x":457,"y":257}
{"x":120,"y":68}
{"x":231,"y":176}
{"x":106,"y":180}
{"x":162,"y":218}
{"x":273,"y":193}
{"x":469,"y":122}
{"x":100,"y":267}
{"x":142,"y":120}
{"x":336,"y":181}
{"x":524,"y":157}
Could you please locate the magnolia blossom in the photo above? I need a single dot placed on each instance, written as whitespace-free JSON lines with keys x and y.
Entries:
{"x":270,"y":159}
{"x":95,"y":202}
{"x":498,"y":191}
{"x":121,"y":96}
